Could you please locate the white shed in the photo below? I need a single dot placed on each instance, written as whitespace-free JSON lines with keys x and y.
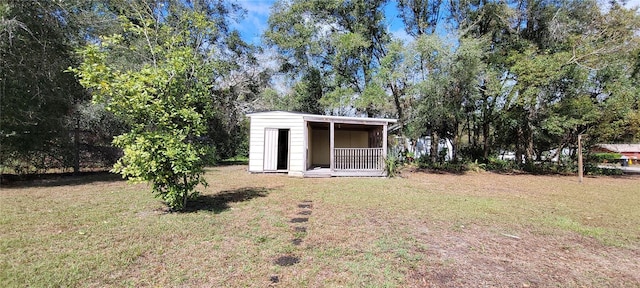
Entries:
{"x":308,"y":145}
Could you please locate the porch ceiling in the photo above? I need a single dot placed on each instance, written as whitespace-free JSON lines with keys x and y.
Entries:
{"x":346,"y":126}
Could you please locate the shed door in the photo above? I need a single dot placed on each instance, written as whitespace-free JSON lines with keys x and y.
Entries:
{"x":270,"y":149}
{"x":276,"y":149}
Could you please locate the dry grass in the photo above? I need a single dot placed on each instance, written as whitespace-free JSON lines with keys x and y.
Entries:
{"x":421,"y":230}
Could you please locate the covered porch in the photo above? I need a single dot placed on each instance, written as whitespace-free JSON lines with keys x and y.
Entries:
{"x":345,"y":146}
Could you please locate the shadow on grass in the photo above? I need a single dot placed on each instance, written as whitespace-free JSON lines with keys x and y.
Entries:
{"x":57,"y":179}
{"x":230,"y":162}
{"x":219,"y":202}
{"x":438,"y":171}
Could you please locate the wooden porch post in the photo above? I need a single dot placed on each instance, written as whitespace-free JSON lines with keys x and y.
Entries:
{"x":331,"y":146}
{"x":305,"y":145}
{"x":384,"y":140}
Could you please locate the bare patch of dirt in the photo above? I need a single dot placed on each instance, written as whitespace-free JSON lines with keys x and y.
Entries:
{"x":288,"y":260}
{"x":479,"y":256}
{"x":154,"y":212}
{"x":274,"y":279}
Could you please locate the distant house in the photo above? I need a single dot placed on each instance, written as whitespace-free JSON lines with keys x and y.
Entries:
{"x":630,"y":151}
{"x":421,"y":147}
{"x":308,"y":145}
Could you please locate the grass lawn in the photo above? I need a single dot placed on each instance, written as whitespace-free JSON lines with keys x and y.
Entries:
{"x":436,"y":230}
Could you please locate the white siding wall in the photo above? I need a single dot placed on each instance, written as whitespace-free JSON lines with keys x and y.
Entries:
{"x":277,"y":120}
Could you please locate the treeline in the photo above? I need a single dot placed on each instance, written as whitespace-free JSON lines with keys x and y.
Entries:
{"x":49,"y":120}
{"x":519,"y":75}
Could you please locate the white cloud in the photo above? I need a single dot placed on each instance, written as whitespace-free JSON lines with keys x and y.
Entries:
{"x":401,"y":34}
{"x":257,"y":7}
{"x":268,"y":59}
{"x":633,"y":4}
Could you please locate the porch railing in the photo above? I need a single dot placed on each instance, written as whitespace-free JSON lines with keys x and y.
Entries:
{"x":358,"y":159}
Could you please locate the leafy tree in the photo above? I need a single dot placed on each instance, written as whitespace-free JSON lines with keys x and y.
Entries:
{"x":164,"y":100}
{"x":46,"y":121}
{"x":569,"y":65}
{"x":36,"y":95}
{"x":343,"y":41}
{"x":449,"y":88}
{"x":420,"y":16}
{"x":309,"y":91}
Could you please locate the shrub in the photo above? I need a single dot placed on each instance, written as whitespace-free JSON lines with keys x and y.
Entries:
{"x":391,"y":165}
{"x":500,"y":165}
{"x":592,"y":169}
{"x":475,"y":166}
{"x":425,"y":163}
{"x":603,"y":157}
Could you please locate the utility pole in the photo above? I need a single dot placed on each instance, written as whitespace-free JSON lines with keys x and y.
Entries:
{"x":580,"y":168}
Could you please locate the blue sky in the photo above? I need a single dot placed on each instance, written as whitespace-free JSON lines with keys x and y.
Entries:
{"x":255,"y":21}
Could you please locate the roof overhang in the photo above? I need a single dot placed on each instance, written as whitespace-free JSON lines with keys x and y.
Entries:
{"x":620,"y":148}
{"x":328,"y":119}
{"x":348,"y":120}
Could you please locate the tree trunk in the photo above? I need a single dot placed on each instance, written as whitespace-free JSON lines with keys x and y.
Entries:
{"x":434,"y":147}
{"x":529,"y":151}
{"x":469,"y":130}
{"x":518,"y":146}
{"x":396,"y":100}
{"x":485,"y":143}
{"x":185,"y":193}
{"x":455,"y":142}
{"x":76,"y":144}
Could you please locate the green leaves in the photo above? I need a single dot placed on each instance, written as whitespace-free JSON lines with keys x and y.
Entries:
{"x":37,"y":96}
{"x":164,"y":160}
{"x":343,"y":40}
{"x":164,"y":102}
{"x":373,"y":96}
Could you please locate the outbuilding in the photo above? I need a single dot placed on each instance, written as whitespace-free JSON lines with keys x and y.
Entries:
{"x":628,"y":152}
{"x":308,"y":145}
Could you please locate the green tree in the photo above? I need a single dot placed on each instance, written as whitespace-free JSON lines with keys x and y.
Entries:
{"x":420,"y":16}
{"x":440,"y":79}
{"x":309,"y":91}
{"x":164,"y":100}
{"x":343,"y":41}
{"x":36,"y":96}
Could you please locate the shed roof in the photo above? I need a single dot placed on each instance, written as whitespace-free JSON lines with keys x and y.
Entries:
{"x":620,"y":148}
{"x":325,"y":118}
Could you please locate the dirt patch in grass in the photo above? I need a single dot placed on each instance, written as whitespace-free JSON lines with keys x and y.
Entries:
{"x":287,"y":260}
{"x":422,"y":230}
{"x":299,"y":220}
{"x":274,"y":279}
{"x":501,"y":247}
{"x":479,"y":255}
